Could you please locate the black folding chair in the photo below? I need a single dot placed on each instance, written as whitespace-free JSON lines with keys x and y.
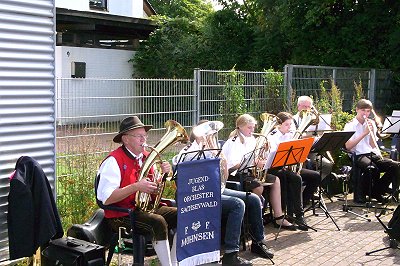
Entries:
{"x":138,"y":240}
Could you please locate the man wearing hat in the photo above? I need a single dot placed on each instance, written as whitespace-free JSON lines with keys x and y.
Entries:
{"x":118,"y":185}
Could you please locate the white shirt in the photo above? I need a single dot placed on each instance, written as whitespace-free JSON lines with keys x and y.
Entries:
{"x":296,"y":122}
{"x":187,"y":153}
{"x":111,"y":176}
{"x":234,"y":151}
{"x":363,"y":147}
{"x":274,"y":139}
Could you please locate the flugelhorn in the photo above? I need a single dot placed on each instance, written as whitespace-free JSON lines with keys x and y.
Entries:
{"x":175,"y":133}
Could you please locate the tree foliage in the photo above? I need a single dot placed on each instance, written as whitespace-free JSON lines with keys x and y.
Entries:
{"x":190,"y":9}
{"x":259,"y":34}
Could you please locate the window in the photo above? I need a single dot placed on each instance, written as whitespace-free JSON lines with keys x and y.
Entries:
{"x":98,"y":4}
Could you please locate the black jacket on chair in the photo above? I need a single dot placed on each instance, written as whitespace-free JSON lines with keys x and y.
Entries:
{"x":32,"y":218}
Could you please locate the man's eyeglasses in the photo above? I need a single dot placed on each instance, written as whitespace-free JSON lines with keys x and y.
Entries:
{"x":138,"y":136}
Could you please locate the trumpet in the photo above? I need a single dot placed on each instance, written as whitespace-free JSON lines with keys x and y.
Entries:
{"x":373,"y":136}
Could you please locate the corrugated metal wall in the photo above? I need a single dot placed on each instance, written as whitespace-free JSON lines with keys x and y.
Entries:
{"x":26,"y":93}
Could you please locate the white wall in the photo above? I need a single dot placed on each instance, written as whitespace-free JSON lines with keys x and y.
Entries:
{"x":100,"y":63}
{"x":82,"y":5}
{"x":127,"y":8}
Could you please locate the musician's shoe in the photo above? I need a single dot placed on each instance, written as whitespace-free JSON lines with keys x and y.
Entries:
{"x":301,"y":223}
{"x":234,"y":259}
{"x":261,"y":249}
{"x":288,"y":226}
{"x":380,"y":198}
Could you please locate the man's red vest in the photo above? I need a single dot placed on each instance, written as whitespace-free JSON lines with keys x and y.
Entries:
{"x":130,"y":170}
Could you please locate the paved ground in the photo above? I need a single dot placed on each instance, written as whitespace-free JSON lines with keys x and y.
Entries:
{"x":327,"y":246}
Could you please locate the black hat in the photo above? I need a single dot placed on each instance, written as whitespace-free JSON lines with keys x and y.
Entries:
{"x":130,"y":123}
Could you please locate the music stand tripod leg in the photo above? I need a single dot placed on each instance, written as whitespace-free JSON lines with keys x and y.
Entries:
{"x":391,"y":245}
{"x":346,"y":207}
{"x":392,"y":239}
{"x":321,"y":203}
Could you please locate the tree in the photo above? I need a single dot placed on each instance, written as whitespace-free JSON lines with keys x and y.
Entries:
{"x":259,"y":34}
{"x":227,"y":41}
{"x":193,"y":10}
{"x":171,"y":50}
{"x":335,"y":32}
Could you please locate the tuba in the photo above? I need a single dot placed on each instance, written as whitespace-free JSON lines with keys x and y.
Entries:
{"x":175,"y":133}
{"x":309,"y":117}
{"x":209,"y":132}
{"x":262,"y":147}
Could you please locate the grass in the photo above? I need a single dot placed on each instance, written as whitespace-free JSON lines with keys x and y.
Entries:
{"x":75,"y":186}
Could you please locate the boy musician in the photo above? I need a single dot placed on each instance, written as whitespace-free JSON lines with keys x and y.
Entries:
{"x":368,"y":156}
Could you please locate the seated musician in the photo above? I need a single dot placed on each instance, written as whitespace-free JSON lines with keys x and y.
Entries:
{"x":306,"y":103}
{"x":118,"y":185}
{"x":232,"y":207}
{"x":363,"y":144}
{"x":241,"y":142}
{"x":293,"y":186}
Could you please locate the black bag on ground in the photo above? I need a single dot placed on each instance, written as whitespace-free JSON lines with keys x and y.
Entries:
{"x":394,"y":225}
{"x":72,"y":252}
{"x":95,"y":230}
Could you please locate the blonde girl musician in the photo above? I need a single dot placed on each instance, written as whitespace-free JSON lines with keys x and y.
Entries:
{"x":241,"y":142}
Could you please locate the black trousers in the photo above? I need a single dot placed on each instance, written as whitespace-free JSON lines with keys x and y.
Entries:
{"x":291,"y":191}
{"x":156,"y":224}
{"x":380,"y":185}
{"x":311,"y":180}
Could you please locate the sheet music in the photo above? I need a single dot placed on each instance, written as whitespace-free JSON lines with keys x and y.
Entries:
{"x":391,"y":125}
{"x":246,"y":163}
{"x":396,"y":113}
{"x":323,"y":125}
{"x":270,"y":159}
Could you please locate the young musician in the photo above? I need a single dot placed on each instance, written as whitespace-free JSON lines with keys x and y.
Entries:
{"x":294,"y":181}
{"x":363,"y":144}
{"x":232,"y":207}
{"x":241,"y":142}
{"x":118,"y":185}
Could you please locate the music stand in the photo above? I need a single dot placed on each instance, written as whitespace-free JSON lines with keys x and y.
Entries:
{"x":391,"y":125}
{"x":291,"y":153}
{"x":329,"y":141}
{"x":192,"y":156}
{"x":323,"y":125}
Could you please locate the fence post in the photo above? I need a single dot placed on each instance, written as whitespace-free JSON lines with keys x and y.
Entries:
{"x":196,"y":93}
{"x":372,"y":85}
{"x":334,"y":74}
{"x":288,"y":72}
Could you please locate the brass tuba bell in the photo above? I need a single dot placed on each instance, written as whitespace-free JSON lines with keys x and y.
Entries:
{"x":175,"y":133}
{"x":262,"y":147}
{"x":308,"y":118}
{"x":209,"y":132}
